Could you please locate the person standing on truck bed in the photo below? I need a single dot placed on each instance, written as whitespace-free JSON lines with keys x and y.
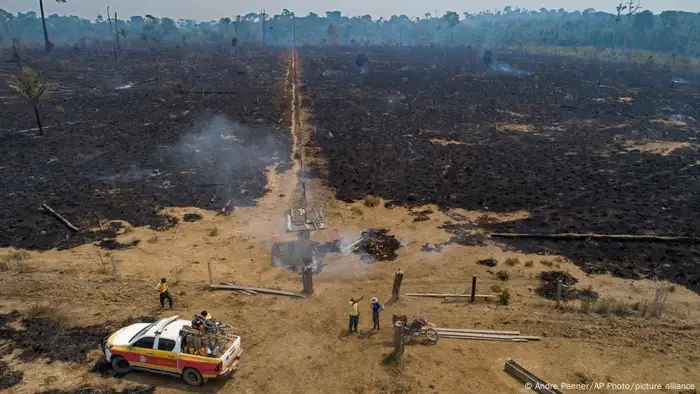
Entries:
{"x":206,"y":315}
{"x":354,"y":314}
{"x":162,"y":288}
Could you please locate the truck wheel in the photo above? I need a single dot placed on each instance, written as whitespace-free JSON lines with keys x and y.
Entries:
{"x":120,"y":365}
{"x":192,"y":377}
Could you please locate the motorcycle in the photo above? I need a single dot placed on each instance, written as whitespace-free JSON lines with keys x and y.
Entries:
{"x":418,"y":327}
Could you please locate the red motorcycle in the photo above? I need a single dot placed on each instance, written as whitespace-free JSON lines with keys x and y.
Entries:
{"x":418,"y":327}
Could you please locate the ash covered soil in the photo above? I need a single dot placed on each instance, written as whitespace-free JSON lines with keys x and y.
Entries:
{"x":582,"y":146}
{"x":204,"y":133}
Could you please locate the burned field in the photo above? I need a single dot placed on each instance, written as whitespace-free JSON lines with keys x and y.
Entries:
{"x":582,"y":146}
{"x":202,"y":131}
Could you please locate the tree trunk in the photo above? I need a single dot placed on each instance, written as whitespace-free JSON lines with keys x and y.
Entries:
{"x":48,"y":43}
{"x":38,"y":120}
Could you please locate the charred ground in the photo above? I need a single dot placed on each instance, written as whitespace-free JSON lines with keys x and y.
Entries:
{"x":566,"y":140}
{"x":202,"y":134}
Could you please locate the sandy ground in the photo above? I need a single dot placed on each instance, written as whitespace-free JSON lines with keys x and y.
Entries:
{"x":300,"y":346}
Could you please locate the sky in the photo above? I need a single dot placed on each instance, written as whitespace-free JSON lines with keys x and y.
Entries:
{"x":215,"y":9}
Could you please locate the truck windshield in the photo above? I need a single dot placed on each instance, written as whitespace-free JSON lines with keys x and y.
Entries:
{"x":141,"y":332}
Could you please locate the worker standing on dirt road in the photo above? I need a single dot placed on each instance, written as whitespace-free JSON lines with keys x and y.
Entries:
{"x":354,"y":314}
{"x":162,"y":288}
{"x":376,"y":308}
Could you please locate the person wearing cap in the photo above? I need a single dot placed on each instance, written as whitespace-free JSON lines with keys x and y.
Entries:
{"x":164,"y":294}
{"x":354,"y":314}
{"x":376,"y":308}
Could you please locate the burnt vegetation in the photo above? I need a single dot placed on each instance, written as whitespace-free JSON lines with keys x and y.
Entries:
{"x":549,"y":135}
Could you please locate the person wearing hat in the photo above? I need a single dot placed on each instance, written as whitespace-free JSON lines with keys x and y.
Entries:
{"x":376,"y":308}
{"x":354,"y":314}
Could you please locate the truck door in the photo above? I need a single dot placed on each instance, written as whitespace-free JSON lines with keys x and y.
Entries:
{"x":166,"y":355}
{"x":142,"y":353}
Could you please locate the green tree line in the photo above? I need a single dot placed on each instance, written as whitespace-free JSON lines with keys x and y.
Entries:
{"x":630,"y":28}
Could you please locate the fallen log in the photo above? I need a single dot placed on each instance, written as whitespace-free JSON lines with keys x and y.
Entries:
{"x":477,"y":331}
{"x":438,"y":295}
{"x":60,"y":218}
{"x":614,"y":237}
{"x":144,"y":81}
{"x":228,"y":286}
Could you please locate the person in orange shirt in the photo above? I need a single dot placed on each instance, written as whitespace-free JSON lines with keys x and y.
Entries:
{"x":162,"y":288}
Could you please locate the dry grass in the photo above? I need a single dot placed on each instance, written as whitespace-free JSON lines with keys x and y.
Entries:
{"x":49,"y":311}
{"x":445,"y":142}
{"x":503,"y":275}
{"x":152,"y":239}
{"x":372,"y":201}
{"x":529,"y":263}
{"x":657,"y":147}
{"x":496,"y":288}
{"x":213,"y":232}
{"x":546,"y":263}
{"x":515,"y":127}
{"x":356,"y":210}
{"x":512,"y":261}
{"x":669,"y":122}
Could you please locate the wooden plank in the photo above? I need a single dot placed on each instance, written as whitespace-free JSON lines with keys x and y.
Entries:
{"x":441,"y":295}
{"x":451,"y":334}
{"x":503,"y":339}
{"x":477,"y":331}
{"x":256,"y":289}
{"x":529,"y":378}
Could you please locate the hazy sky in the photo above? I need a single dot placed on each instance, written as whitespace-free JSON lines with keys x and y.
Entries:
{"x":215,"y":9}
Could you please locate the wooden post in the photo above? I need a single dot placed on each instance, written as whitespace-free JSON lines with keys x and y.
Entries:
{"x":655,"y":304}
{"x":307,"y":281}
{"x":21,"y":259}
{"x":473,"y":297}
{"x":114,"y":265}
{"x":211,"y":277}
{"x":558,"y":293}
{"x":398,"y":344}
{"x":396,"y":290}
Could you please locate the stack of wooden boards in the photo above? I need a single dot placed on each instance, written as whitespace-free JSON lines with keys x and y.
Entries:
{"x":484,"y":335}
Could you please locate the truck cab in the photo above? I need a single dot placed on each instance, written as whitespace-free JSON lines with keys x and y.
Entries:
{"x":160,"y":348}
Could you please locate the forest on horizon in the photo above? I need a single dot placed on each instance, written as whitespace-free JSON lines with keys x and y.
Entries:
{"x":675,"y":32}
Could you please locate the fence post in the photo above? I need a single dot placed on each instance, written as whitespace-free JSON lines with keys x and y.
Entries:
{"x":307,"y":281}
{"x":558,"y":293}
{"x":655,"y":305}
{"x":396,"y":289}
{"x":21,"y":259}
{"x":473,"y":297}
{"x":398,"y":344}
{"x":211,"y":277}
{"x":114,"y":265}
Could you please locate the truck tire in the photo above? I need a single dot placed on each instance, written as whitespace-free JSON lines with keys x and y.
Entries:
{"x":192,"y":377}
{"x":120,"y":365}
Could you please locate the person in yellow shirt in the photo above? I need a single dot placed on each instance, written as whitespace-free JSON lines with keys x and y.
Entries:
{"x":206,"y":315}
{"x":354,"y":314}
{"x":162,"y":288}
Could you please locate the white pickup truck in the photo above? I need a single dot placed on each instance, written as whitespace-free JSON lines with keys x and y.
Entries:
{"x":165,"y":347}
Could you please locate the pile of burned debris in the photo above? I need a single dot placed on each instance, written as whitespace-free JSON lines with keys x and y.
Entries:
{"x":548,"y":287}
{"x":378,"y":245}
